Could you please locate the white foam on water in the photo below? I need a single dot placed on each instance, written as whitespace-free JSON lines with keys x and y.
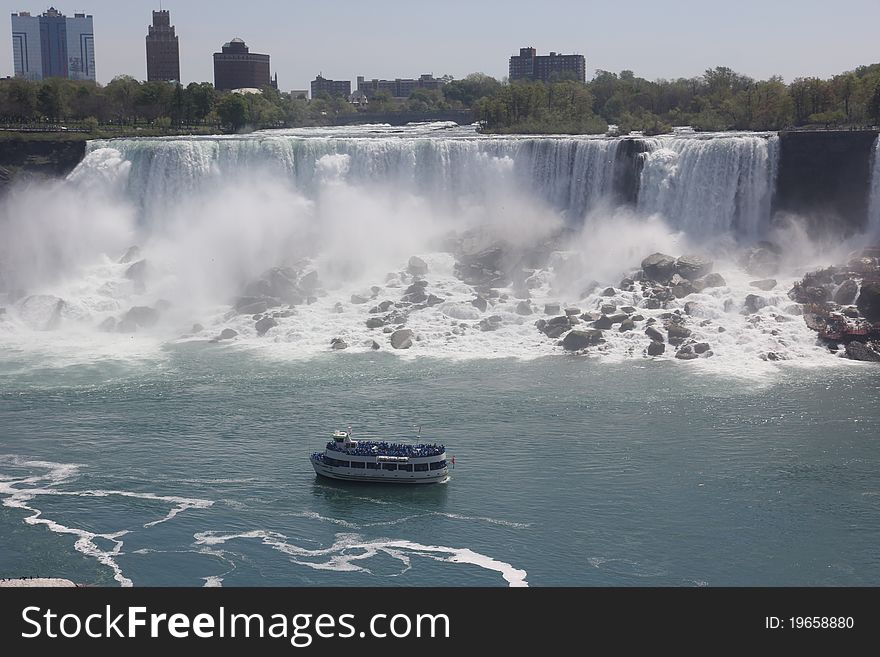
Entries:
{"x":339,"y":557}
{"x":19,"y":493}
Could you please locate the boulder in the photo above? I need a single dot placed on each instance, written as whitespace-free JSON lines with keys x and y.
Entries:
{"x":552,"y":309}
{"x":137,"y":273}
{"x":682,"y":290}
{"x":372,"y":344}
{"x":626,"y":283}
{"x":282,"y":283}
{"x":308,"y":283}
{"x":338,"y":344}
{"x":846,"y":293}
{"x":359,"y":299}
{"x":701,"y":347}
{"x":458,"y":310}
{"x":692,"y":267}
{"x":692,"y":308}
{"x":608,"y":292}
{"x":265,"y":324}
{"x":862,"y":351}
{"x":686,"y":352}
{"x":604,"y":322}
{"x":627,"y":309}
{"x":254,"y":308}
{"x":765,"y":284}
{"x":809,"y":294}
{"x":523,"y":308}
{"x":375,"y":322}
{"x":869,"y":301}
{"x":433,"y":300}
{"x":627,"y":325}
{"x":480,"y":304}
{"x":608,"y":308}
{"x":142,"y":316}
{"x":677,"y":333}
{"x":227,"y":334}
{"x":577,"y":339}
{"x":416,"y":266}
{"x":402,"y":339}
{"x":658,"y":267}
{"x":712,"y":280}
{"x":656,"y":348}
{"x":492,"y":323}
{"x":754,"y":303}
{"x":197,"y":328}
{"x":572,"y":311}
{"x":555,"y":327}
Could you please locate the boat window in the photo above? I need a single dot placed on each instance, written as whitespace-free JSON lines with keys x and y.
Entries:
{"x":408,"y":467}
{"x":438,"y":465}
{"x":372,"y":466}
{"x":358,"y":464}
{"x":421,"y":467}
{"x":389,"y":466}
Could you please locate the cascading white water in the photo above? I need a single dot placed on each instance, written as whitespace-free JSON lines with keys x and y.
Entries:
{"x":710,"y":187}
{"x":874,"y":203}
{"x":571,"y":174}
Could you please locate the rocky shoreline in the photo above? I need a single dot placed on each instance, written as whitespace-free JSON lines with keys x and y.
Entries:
{"x":669,"y":307}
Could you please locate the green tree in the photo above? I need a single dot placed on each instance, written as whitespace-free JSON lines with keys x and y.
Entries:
{"x":199,"y":99}
{"x":466,"y":92}
{"x":122,"y":93}
{"x":233,"y":112}
{"x":18,"y":99}
{"x":50,"y":100}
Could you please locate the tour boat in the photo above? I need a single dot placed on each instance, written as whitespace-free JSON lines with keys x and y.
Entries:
{"x":379,"y":461}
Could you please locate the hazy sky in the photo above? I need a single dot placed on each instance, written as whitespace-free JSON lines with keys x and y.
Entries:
{"x":393,"y":38}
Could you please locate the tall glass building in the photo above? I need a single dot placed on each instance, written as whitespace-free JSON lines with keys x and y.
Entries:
{"x":53,"y":45}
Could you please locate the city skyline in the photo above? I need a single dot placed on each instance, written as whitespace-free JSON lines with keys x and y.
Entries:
{"x":790,"y":38}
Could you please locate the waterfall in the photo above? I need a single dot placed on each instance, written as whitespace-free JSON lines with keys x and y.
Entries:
{"x":704,"y":186}
{"x":710,"y":186}
{"x":874,"y":202}
{"x":571,"y":174}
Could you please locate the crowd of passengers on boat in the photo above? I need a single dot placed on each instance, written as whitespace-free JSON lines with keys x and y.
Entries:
{"x":382,"y":448}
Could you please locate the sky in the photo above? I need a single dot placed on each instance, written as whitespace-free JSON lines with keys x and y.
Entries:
{"x":393,"y":38}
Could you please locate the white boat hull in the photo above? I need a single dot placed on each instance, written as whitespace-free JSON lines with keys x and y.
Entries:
{"x":380,"y":476}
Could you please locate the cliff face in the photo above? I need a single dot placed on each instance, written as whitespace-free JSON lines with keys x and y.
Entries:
{"x":24,"y":157}
{"x":824,"y":176}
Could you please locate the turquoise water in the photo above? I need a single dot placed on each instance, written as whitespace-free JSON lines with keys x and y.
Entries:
{"x":569,"y":471}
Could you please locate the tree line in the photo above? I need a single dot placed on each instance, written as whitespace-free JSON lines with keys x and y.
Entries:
{"x":720,"y":99}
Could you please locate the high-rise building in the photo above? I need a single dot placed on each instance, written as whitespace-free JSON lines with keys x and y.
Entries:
{"x":321,"y":85}
{"x":163,"y":50}
{"x":53,"y":45}
{"x":238,"y":68}
{"x":528,"y":65}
